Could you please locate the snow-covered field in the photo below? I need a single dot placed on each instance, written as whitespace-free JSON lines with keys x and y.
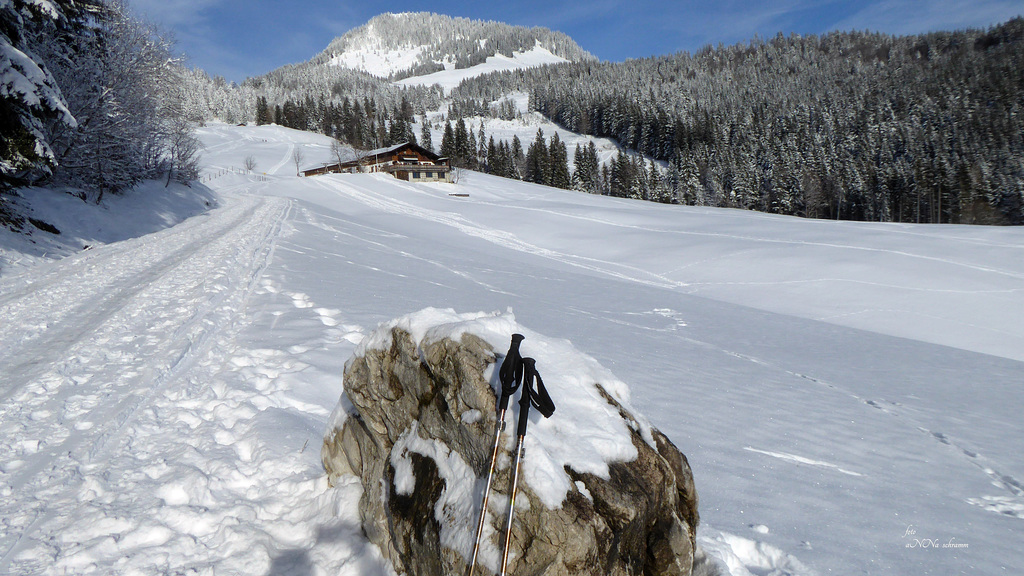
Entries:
{"x":848,"y":395}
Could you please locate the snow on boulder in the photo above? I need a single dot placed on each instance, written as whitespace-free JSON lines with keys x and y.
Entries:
{"x":601,"y":491}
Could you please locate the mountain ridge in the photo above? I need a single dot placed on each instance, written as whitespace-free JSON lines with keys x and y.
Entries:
{"x":419,"y":43}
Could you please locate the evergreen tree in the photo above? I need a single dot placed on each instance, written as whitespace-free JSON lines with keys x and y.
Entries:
{"x":30,"y":98}
{"x":690,"y":188}
{"x":518,"y":158}
{"x":537,"y":161}
{"x":398,"y":132}
{"x":592,"y":169}
{"x":511,"y":168}
{"x":481,"y":152}
{"x":578,"y":160}
{"x":586,"y":175}
{"x":462,"y":150}
{"x":262,"y":111}
{"x":410,"y":134}
{"x":471,"y":150}
{"x":558,"y":164}
{"x":493,"y":163}
{"x":448,"y":142}
{"x":405,"y":110}
{"x":622,"y":177}
{"x":425,"y":138}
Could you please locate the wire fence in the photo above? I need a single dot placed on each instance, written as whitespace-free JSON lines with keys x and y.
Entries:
{"x":211,"y":176}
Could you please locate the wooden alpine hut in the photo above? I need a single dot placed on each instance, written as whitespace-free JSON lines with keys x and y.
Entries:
{"x":405,"y":161}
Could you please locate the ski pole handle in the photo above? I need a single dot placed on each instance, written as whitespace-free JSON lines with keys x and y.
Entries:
{"x":529,"y":373}
{"x":511,"y":372}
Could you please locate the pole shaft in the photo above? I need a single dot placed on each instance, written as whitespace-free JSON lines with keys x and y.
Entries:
{"x":487,"y":490}
{"x":512,"y":504}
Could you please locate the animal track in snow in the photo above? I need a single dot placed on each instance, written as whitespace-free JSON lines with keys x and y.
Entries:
{"x":1005,"y":505}
{"x":301,"y":300}
{"x":1012,"y":505}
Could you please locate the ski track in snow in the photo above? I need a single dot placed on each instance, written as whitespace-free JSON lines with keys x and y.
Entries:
{"x":117,"y":399}
{"x":284,"y":159}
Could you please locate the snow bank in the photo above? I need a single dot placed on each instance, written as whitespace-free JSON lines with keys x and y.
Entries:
{"x":148,"y":208}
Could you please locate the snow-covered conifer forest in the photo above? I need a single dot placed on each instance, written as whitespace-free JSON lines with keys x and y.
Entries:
{"x":90,"y":98}
{"x":850,"y":125}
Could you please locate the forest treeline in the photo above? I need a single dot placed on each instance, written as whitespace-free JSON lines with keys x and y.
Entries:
{"x":851,"y":125}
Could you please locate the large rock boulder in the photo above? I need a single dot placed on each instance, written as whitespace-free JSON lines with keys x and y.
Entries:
{"x":601,"y":491}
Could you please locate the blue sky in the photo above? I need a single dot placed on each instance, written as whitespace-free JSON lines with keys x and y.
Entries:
{"x":241,"y":38}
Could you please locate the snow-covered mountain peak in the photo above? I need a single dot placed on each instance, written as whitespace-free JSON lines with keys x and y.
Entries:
{"x":414,"y":44}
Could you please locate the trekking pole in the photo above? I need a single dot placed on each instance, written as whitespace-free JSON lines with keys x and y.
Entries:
{"x":540,"y":399}
{"x":511,"y":376}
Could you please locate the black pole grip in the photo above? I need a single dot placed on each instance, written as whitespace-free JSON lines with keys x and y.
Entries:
{"x":529,"y":371}
{"x":511,"y":372}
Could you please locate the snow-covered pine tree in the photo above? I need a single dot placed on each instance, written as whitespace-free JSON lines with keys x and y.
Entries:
{"x":398,"y":131}
{"x":518,"y":158}
{"x":558,"y":164}
{"x":481,"y":150}
{"x":462,"y":150}
{"x":107,"y":91}
{"x":448,"y":142}
{"x":493,"y":163}
{"x":32,"y":105}
{"x":508,"y":160}
{"x":262,"y":111}
{"x":425,"y":138}
{"x":537,"y":160}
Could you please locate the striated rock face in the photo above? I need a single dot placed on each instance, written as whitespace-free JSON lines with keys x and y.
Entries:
{"x":416,"y":425}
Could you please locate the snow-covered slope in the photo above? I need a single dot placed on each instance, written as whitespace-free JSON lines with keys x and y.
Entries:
{"x":847,"y":394}
{"x":450,"y":77}
{"x":378,"y":60}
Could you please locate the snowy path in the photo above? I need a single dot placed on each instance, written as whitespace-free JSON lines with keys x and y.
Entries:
{"x":116,"y":400}
{"x":93,"y":352}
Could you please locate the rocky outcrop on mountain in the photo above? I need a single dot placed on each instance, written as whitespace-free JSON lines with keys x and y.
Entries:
{"x":602,"y":492}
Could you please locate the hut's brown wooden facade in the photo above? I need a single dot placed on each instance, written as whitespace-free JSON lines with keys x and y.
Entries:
{"x":406,"y":161}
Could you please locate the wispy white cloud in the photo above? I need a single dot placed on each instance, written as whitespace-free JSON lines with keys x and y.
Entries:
{"x":916,"y":16}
